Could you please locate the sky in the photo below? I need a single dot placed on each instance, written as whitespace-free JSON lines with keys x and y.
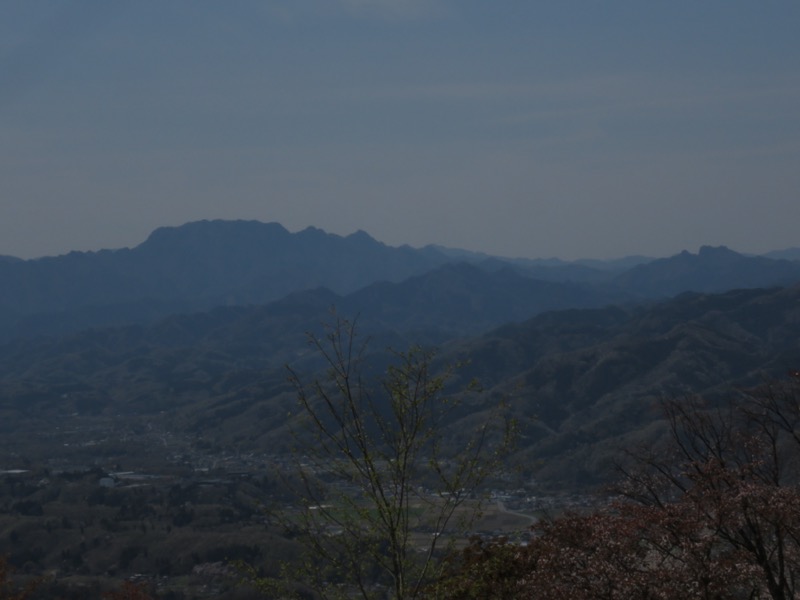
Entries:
{"x":524,"y":128}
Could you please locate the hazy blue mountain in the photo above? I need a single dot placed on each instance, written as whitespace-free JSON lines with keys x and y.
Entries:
{"x":615,"y":264}
{"x":550,"y":269}
{"x":206,"y":264}
{"x":566,"y":273}
{"x":451,"y":301}
{"x":196,"y":266}
{"x":787,"y":254}
{"x":461,"y":298}
{"x":710,"y":270}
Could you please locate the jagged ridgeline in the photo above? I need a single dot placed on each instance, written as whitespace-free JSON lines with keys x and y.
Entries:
{"x":207,"y":264}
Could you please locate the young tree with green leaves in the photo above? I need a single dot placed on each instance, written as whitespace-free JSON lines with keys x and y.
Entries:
{"x":384,"y":492}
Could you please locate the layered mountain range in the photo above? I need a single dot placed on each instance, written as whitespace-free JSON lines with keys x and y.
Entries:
{"x":206,"y":264}
{"x":192,"y":330}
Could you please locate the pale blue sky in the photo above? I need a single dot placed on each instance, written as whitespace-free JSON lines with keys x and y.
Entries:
{"x":514,"y":127}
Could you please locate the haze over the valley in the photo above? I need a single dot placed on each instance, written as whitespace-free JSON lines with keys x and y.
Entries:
{"x":533,"y":129}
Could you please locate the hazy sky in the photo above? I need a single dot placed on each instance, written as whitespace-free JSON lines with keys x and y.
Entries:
{"x":515,"y":127}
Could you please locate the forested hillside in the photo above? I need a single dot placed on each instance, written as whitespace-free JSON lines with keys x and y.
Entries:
{"x":177,"y":425}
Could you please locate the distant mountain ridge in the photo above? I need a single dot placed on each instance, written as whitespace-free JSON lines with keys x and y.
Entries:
{"x":195,"y":267}
{"x":205,"y":264}
{"x":786,"y":254}
{"x":461,"y":298}
{"x":712,"y":269}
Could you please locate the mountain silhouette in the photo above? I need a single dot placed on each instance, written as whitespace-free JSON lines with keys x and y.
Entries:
{"x":712,"y":269}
